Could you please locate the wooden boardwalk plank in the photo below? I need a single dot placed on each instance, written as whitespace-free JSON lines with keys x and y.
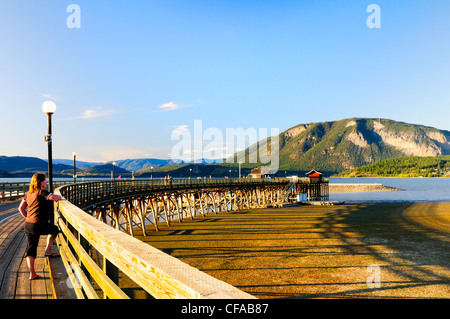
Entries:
{"x":9,"y":272}
{"x":23,"y":284}
{"x":12,"y":247}
{"x":8,"y":228}
{"x":8,"y":208}
{"x":60,"y":279}
{"x":39,"y":287}
{"x":33,"y":289}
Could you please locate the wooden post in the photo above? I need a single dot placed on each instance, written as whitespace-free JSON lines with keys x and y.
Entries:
{"x":86,"y":246}
{"x":111,"y":271}
{"x":141,"y":207}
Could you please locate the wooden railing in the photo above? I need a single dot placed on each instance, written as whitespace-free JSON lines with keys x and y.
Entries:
{"x":13,"y":191}
{"x":87,"y":194}
{"x":94,"y":252}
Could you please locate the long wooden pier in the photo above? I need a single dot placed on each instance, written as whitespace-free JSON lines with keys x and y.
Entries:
{"x":96,"y":219}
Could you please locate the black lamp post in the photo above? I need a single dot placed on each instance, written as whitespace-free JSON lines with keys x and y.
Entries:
{"x":49,"y":107}
{"x":74,"y":154}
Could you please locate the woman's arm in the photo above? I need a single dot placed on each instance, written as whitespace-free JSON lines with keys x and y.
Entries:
{"x":53,"y":197}
{"x":23,"y":208}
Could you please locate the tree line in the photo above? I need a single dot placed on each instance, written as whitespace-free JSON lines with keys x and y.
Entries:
{"x":408,"y":166}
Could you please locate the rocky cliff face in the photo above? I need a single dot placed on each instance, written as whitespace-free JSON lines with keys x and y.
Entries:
{"x":413,"y":143}
{"x":349,"y":143}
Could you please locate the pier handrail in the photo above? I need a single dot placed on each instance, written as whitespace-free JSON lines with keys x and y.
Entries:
{"x":94,"y":251}
{"x":89,"y":193}
{"x":16,"y":190}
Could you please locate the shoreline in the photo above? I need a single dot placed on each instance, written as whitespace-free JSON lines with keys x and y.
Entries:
{"x":360,"y":188}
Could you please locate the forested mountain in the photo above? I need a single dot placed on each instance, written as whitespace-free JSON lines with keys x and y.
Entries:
{"x":333,"y":147}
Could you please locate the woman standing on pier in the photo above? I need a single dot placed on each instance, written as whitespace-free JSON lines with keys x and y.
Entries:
{"x":35,"y":207}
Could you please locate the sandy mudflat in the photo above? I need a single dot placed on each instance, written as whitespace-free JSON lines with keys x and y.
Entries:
{"x":399,"y":250}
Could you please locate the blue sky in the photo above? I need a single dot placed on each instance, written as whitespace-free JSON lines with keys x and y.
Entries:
{"x":135,"y":71}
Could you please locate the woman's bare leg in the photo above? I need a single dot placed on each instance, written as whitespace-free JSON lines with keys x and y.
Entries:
{"x":30,"y":263}
{"x":50,"y":240}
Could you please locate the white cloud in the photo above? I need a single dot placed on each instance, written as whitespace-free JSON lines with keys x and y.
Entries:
{"x":169,"y":106}
{"x":98,"y":111}
{"x":180,"y":129}
{"x":215,"y":149}
{"x":50,"y":96}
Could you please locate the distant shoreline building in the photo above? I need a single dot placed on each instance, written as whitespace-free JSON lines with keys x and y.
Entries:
{"x":262,"y":172}
{"x":314,"y":176}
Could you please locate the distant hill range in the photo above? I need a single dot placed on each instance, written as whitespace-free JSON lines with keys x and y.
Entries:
{"x":80,"y":164}
{"x":22,"y":166}
{"x":330,"y":147}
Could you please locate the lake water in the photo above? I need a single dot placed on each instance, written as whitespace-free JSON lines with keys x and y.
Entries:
{"x":414,"y":189}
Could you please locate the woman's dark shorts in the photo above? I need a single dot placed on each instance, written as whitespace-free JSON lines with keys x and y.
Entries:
{"x":34,"y":231}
